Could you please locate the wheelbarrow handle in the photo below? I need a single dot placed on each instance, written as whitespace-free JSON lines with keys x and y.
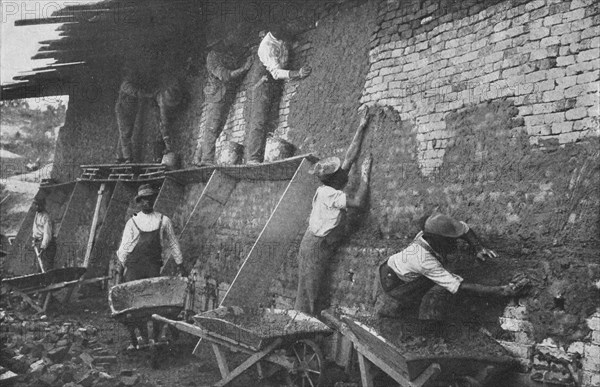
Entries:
{"x":38,"y":255}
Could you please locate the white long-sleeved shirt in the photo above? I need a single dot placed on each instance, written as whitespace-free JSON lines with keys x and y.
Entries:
{"x":416,"y":261}
{"x":273,"y":53}
{"x":42,"y":228}
{"x":148,"y":223}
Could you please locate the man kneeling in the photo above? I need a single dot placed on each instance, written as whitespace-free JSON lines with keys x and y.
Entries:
{"x":416,"y":274}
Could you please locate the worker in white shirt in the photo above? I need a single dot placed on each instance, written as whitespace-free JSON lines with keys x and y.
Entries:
{"x":42,"y":235}
{"x":148,"y":241}
{"x":268,"y":70}
{"x":416,"y":275}
{"x":325,"y":231}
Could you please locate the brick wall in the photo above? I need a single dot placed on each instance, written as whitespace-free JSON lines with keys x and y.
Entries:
{"x":428,"y":59}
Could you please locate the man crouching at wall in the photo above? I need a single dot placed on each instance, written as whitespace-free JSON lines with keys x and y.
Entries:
{"x":416,"y":275}
{"x":324,"y":231}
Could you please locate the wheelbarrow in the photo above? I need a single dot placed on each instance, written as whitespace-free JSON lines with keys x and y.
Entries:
{"x":46,"y":284}
{"x":418,"y":368}
{"x":274,"y":339}
{"x":137,"y":300}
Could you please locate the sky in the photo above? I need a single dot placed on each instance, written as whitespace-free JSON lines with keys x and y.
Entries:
{"x":19,"y":44}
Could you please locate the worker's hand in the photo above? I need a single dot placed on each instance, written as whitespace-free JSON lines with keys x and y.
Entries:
{"x":366,"y":168}
{"x":364,"y":119}
{"x":248,"y":63}
{"x":517,"y":285}
{"x":304,"y":71}
{"x":484,"y":254}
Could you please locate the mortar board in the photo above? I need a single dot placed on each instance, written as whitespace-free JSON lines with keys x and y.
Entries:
{"x":446,"y":226}
{"x":145,"y":190}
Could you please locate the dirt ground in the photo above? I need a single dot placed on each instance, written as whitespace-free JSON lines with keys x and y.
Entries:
{"x":97,"y":354}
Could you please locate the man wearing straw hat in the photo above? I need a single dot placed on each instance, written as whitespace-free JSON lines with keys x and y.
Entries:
{"x":220,"y":89}
{"x":416,"y":275}
{"x":324,"y":232}
{"x":148,"y":241}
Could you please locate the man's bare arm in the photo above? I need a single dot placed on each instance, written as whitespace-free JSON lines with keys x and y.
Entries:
{"x":354,"y":148}
{"x":482,"y":252}
{"x":359,"y":199}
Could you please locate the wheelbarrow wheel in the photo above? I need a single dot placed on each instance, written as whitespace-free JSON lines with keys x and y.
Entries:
{"x":308,"y":364}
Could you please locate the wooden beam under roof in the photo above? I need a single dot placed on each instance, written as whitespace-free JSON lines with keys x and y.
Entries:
{"x":47,"y":20}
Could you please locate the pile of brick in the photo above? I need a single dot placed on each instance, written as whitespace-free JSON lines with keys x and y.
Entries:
{"x":549,"y":362}
{"x":37,"y":351}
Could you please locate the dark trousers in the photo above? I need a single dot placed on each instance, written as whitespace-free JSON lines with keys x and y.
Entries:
{"x":47,"y":256}
{"x":129,"y":104}
{"x":263,"y":96}
{"x":136,"y":271}
{"x":433,"y":300}
{"x":126,"y":111}
{"x":313,"y":262}
{"x":216,"y":114}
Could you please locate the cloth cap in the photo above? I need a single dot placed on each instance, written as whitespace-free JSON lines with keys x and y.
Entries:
{"x":326,"y":167}
{"x":446,"y":226}
{"x":145,"y":190}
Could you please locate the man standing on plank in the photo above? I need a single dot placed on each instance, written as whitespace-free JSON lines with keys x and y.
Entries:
{"x":324,"y":230}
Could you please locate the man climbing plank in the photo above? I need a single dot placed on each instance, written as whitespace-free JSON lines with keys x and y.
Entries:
{"x":417,"y":275}
{"x":324,"y":231}
{"x":148,"y":241}
{"x":221,"y":87}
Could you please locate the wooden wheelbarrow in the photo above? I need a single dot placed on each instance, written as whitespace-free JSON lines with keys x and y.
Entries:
{"x":46,"y":284}
{"x":137,"y":300}
{"x":273,"y":339}
{"x":412,"y":369}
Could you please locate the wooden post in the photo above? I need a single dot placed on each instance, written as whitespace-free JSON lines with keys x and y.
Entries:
{"x":90,"y":243}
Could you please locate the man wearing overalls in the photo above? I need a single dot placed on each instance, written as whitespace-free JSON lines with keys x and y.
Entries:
{"x":148,"y":241}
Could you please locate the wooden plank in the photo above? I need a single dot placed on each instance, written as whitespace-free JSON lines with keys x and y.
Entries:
{"x":251,"y":284}
{"x":169,"y":197}
{"x":75,"y":228}
{"x":277,"y":170}
{"x":205,"y":214}
{"x":21,"y":257}
{"x":111,"y":229}
{"x":93,"y":228}
{"x":221,"y":360}
{"x":248,"y":363}
{"x":365,"y":371}
{"x":28,"y":299}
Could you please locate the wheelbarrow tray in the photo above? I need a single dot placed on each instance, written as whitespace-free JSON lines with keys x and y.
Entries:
{"x":428,"y":365}
{"x":42,"y":280}
{"x":482,"y":369}
{"x":141,"y":299}
{"x":258,"y":330}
